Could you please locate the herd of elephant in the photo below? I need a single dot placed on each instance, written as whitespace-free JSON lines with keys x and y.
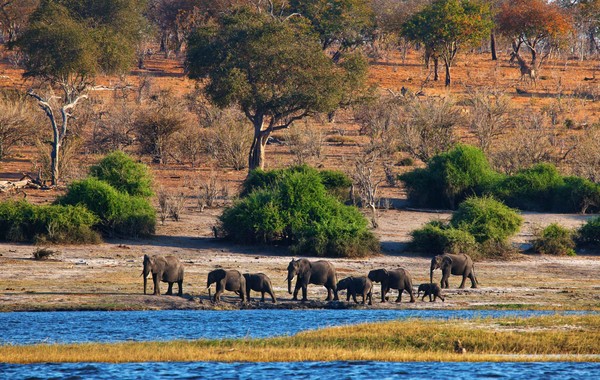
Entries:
{"x":170,"y":270}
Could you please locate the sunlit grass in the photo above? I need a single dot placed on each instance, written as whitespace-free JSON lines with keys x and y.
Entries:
{"x":507,"y":339}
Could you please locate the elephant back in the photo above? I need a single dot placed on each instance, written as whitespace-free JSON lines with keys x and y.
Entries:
{"x":173,"y":269}
{"x":323,"y":270}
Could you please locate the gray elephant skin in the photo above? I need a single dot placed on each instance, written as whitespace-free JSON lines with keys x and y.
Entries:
{"x":357,"y":285}
{"x":307,"y":272}
{"x":432,"y":290}
{"x":259,"y":282}
{"x":231,"y":280}
{"x":457,"y":265}
{"x":393,"y":279}
{"x":163,"y":268}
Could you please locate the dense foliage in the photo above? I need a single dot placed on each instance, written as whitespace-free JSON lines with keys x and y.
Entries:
{"x":295,"y":209}
{"x":119,"y":213}
{"x":124,"y":174}
{"x":451,"y":177}
{"x":480,"y":227}
{"x":21,"y":221}
{"x":589,"y":233}
{"x":554,"y":240}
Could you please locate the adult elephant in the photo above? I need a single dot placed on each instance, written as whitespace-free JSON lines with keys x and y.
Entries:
{"x":319,"y":272}
{"x":231,"y":280}
{"x":259,"y":282}
{"x":458,"y":265}
{"x":163,"y":268}
{"x":393,"y":279}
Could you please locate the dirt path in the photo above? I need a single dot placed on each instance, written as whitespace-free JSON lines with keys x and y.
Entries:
{"x":107,"y":276}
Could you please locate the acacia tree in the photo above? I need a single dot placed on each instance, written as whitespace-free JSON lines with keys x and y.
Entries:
{"x":67,"y":43}
{"x":445,"y":26}
{"x":273,"y":69}
{"x":536,"y":24}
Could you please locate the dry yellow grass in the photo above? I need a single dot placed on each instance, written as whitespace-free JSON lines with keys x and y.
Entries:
{"x":574,"y":338}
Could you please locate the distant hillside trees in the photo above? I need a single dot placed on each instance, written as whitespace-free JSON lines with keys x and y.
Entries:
{"x":66,"y":44}
{"x":279,"y":73}
{"x":14,"y":15}
{"x":536,"y":25}
{"x":446,"y":26}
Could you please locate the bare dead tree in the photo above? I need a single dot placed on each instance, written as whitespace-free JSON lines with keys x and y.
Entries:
{"x":367,"y":182}
{"x":490,"y":116}
{"x":305,"y":143}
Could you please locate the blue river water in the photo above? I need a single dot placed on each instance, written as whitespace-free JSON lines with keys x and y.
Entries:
{"x":118,"y":326}
{"x":303,"y":370}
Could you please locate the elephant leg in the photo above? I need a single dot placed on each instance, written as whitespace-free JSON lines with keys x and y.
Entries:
{"x":348,"y":297}
{"x":248,"y":294}
{"x":170,"y":290}
{"x":370,"y":295}
{"x":217,"y":296}
{"x":262,"y":299}
{"x":384,"y":291}
{"x":430,"y":299}
{"x":270,"y":291}
{"x":296,"y":289}
{"x":156,"y":284}
{"x":354,"y":297}
{"x":304,"y":292}
{"x":364,"y":297}
{"x":473,"y":280}
{"x":329,"y":294}
{"x":180,"y":287}
{"x":399,"y":299}
{"x":242,"y":296}
{"x":411,"y":294}
{"x":462,"y":284}
{"x":335,"y":293}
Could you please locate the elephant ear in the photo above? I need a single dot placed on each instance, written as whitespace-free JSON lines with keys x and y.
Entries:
{"x":385,"y":272}
{"x":447,"y":260}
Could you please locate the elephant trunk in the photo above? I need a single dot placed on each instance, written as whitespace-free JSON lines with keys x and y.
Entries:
{"x":289,"y":285}
{"x":145,"y":275}
{"x":431,"y":273}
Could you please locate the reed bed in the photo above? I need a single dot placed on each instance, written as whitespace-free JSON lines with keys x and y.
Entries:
{"x":564,"y":338}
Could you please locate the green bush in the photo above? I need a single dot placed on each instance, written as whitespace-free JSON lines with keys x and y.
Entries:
{"x":124,"y":174}
{"x":335,"y":182}
{"x":486,"y":219}
{"x":436,"y":238}
{"x":531,"y":189}
{"x":450,"y":177}
{"x":554,"y":240}
{"x":23,"y":222}
{"x":296,"y":210}
{"x":589,"y":233}
{"x":577,"y":195}
{"x":119,"y":213}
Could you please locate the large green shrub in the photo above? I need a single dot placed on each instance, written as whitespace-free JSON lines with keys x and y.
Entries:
{"x":124,"y":174}
{"x":589,"y":233}
{"x":554,"y":240}
{"x":531,"y":189}
{"x":486,"y":219}
{"x":23,"y":222}
{"x":335,"y":182}
{"x":450,"y":177}
{"x":436,"y":238}
{"x":295,"y":209}
{"x":119,"y":213}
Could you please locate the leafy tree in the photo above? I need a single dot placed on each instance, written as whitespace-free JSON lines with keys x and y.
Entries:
{"x":277,"y":75}
{"x":536,"y":24}
{"x":67,"y":43}
{"x":343,"y":22}
{"x":445,"y":26}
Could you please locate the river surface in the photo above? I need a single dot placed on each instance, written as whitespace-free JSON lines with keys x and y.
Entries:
{"x":303,"y":370}
{"x":119,"y":326}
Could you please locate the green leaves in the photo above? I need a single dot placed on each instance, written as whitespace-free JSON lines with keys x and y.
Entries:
{"x":69,"y":39}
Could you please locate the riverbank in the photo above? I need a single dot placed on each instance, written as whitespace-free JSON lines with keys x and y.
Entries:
{"x":550,"y":338}
{"x":107,"y":276}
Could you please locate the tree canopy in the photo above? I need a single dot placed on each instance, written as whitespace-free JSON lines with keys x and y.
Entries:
{"x":274,"y":69}
{"x":445,"y":26}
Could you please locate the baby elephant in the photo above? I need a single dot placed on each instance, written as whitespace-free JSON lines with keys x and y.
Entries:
{"x":430,"y":289}
{"x":259,"y":282}
{"x":357,"y":285}
{"x":231,"y":280}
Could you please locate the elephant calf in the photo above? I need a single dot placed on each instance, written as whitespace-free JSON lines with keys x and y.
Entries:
{"x":231,"y":280}
{"x":393,"y":279}
{"x":259,"y":282}
{"x":357,"y":285}
{"x":163,"y":268}
{"x":430,"y":289}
